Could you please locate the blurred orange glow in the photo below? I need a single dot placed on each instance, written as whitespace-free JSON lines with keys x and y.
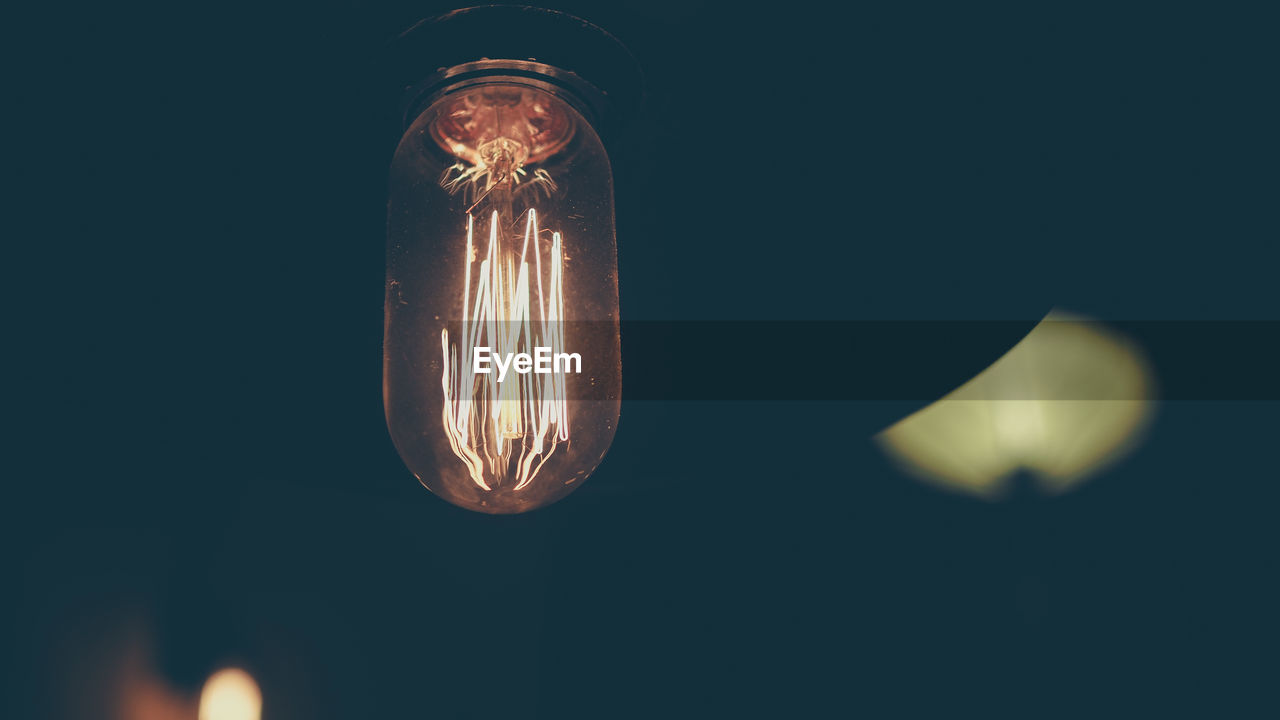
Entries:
{"x":1069,"y":399}
{"x":230,"y":694}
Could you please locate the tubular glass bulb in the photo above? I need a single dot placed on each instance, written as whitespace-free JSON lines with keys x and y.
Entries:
{"x":501,"y":366}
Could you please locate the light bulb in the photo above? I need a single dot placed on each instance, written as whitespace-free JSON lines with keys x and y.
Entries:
{"x":502,"y":369}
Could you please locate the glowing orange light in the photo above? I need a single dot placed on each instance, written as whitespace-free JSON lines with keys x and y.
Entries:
{"x":230,"y":694}
{"x":488,"y":419}
{"x":501,"y":244}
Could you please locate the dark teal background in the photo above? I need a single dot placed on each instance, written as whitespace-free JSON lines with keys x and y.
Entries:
{"x":195,"y":283}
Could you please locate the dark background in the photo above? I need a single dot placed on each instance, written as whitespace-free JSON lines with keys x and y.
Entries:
{"x":195,"y":283}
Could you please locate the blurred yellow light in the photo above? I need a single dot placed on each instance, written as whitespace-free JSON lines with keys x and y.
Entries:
{"x":1069,"y":399}
{"x":230,"y":694}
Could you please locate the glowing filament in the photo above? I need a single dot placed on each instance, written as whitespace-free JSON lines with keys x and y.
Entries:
{"x":506,"y":430}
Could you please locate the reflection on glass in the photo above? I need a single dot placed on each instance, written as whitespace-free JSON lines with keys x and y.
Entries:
{"x":1068,"y":400}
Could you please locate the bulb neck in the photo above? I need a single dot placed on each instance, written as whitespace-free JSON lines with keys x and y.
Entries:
{"x":547,"y":49}
{"x":584,"y":97}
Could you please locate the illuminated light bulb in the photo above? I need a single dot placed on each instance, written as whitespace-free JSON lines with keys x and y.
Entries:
{"x":502,"y":369}
{"x":230,"y":694}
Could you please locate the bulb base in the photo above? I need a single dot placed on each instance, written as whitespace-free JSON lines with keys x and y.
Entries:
{"x":546,"y":49}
